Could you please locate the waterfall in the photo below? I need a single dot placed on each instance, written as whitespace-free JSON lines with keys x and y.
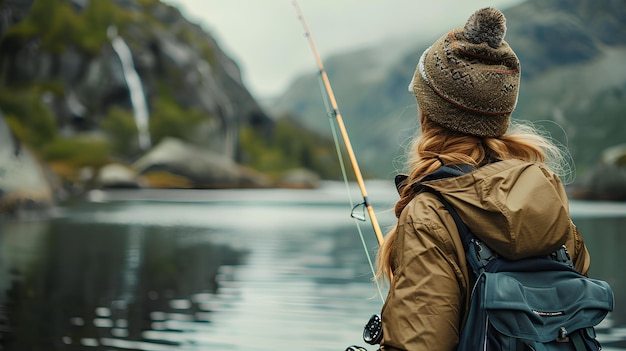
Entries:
{"x":135,"y":89}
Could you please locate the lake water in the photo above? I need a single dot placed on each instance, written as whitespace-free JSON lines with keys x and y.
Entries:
{"x":221,"y":270}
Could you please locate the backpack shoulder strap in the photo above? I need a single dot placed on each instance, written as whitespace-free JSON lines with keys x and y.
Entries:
{"x":478,"y":254}
{"x":466,"y":235}
{"x":443,"y":173}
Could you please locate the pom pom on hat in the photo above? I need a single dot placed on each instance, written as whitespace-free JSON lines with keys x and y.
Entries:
{"x":468,"y":80}
{"x":487,"y":25}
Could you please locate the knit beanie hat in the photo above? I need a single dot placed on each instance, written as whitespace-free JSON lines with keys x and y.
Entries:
{"x":468,"y":80}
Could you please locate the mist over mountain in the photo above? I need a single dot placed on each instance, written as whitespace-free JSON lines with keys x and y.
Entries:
{"x":573,"y":83}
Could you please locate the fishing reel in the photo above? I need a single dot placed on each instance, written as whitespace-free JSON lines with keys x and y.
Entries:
{"x":355,"y":348}
{"x":373,"y":331}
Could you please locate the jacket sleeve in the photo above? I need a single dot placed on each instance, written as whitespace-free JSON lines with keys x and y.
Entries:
{"x":425,"y":305}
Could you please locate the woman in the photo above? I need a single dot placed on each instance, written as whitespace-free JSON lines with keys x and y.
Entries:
{"x":466,"y":86}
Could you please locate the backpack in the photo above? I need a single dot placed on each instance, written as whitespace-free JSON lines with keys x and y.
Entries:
{"x":539,"y":303}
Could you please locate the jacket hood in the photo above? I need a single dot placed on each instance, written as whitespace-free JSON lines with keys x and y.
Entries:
{"x":518,"y":209}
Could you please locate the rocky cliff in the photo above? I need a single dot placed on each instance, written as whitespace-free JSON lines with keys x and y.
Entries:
{"x":89,"y":86}
{"x":82,"y":76}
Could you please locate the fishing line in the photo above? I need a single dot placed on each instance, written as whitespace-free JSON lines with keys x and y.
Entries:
{"x":331,"y":119}
{"x":333,"y":111}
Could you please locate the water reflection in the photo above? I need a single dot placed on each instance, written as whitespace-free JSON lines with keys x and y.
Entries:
{"x":79,"y":284}
{"x":606,"y":241}
{"x":281,"y":272}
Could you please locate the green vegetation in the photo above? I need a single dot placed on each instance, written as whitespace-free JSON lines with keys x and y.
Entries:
{"x":289,"y":146}
{"x":33,"y":124}
{"x":109,"y":132}
{"x":58,"y":25}
{"x":31,"y":121}
{"x":598,"y":127}
{"x":78,"y":152}
{"x":168,"y":118}
{"x":121,"y":129}
{"x":189,"y":36}
{"x":69,"y":156}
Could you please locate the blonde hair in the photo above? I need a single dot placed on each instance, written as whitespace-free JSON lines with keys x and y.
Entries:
{"x":436,"y":145}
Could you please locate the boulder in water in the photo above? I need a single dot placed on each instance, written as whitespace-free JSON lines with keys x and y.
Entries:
{"x":116,"y":175}
{"x":24,"y":187}
{"x":191,"y":166}
{"x":607,"y":181}
{"x":299,"y":178}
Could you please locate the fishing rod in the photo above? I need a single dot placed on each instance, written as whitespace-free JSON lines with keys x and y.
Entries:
{"x":372,"y":333}
{"x":342,"y":128}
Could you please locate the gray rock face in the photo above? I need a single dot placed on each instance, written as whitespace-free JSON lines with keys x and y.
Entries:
{"x":179,"y":66}
{"x":11,"y":12}
{"x":607,"y":181}
{"x":201,"y":167}
{"x":196,"y":71}
{"x":23,"y":185}
{"x":299,"y":178}
{"x":117,"y":176}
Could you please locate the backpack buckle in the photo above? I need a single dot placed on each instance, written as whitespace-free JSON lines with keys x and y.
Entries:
{"x":483,"y":253}
{"x":562,"y":335}
{"x":561,"y":255}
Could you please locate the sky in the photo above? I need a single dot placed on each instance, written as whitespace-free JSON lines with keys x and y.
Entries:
{"x":267,"y":40}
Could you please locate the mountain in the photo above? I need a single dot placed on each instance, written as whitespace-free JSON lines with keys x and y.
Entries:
{"x":129,"y":93}
{"x":573,"y":83}
{"x":370,"y":85}
{"x":84,"y":83}
{"x":79,"y":56}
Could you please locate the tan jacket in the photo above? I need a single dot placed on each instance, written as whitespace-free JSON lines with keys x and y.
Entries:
{"x":517,"y":208}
